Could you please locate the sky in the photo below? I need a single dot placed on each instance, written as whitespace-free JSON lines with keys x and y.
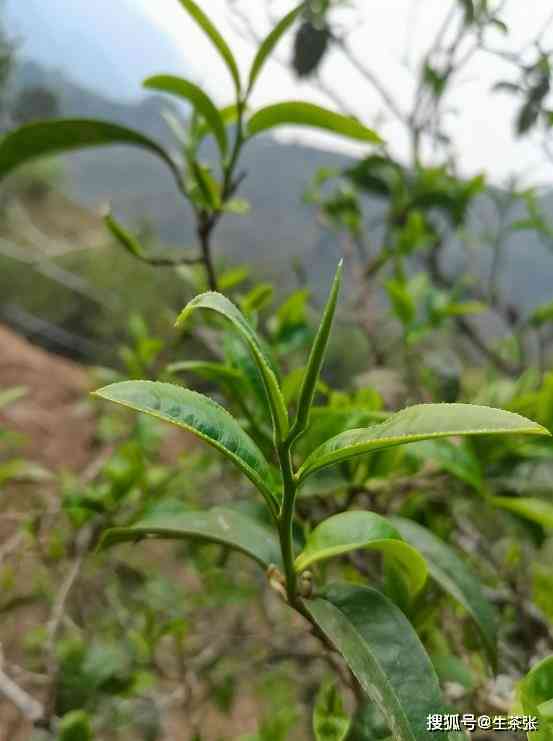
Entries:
{"x":113,"y":44}
{"x":483,"y":125}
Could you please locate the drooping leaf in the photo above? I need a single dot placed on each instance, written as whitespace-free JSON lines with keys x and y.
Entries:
{"x":58,"y":137}
{"x":203,"y":417}
{"x":221,"y":305}
{"x":330,"y":721}
{"x":353,"y":530}
{"x":385,"y":655}
{"x":535,"y":693}
{"x":298,"y":113}
{"x":530,"y":508}
{"x":316,"y":358}
{"x":269,"y":43}
{"x":199,"y":99}
{"x":217,"y":525}
{"x":455,"y":578}
{"x":216,"y":39}
{"x":419,"y":422}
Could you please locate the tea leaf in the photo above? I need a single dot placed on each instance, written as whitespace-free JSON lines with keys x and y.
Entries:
{"x":419,"y":422}
{"x":385,"y":655}
{"x":298,"y":113}
{"x":350,"y":531}
{"x":203,"y":417}
{"x":270,"y":42}
{"x":201,"y":102}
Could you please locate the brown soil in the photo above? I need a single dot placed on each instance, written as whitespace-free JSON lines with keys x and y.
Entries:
{"x":52,"y":416}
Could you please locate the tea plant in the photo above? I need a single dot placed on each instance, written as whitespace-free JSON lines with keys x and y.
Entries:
{"x":370,"y":629}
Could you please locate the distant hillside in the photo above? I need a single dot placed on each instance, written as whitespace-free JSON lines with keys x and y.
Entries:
{"x":279,"y":227}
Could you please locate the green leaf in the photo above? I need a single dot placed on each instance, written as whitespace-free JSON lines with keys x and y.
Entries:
{"x":203,"y":417}
{"x":10,"y":395}
{"x":201,"y":102}
{"x":270,"y":42}
{"x":419,"y":422}
{"x":535,"y":693}
{"x":316,"y":359}
{"x":350,"y":531}
{"x":221,"y":305}
{"x":124,"y":237}
{"x":75,"y":726}
{"x":56,"y":137}
{"x":330,"y":722}
{"x":298,"y":113}
{"x":536,"y":510}
{"x":210,"y":371}
{"x":385,"y":655}
{"x":216,"y":39}
{"x":455,"y":578}
{"x":222,"y":525}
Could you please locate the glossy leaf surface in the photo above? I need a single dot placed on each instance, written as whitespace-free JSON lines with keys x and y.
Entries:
{"x":297,"y":113}
{"x":455,"y":578}
{"x":201,"y":102}
{"x":218,"y":303}
{"x":200,"y":415}
{"x":350,"y":531}
{"x":58,"y":137}
{"x":385,"y":654}
{"x":419,"y":422}
{"x":218,"y":525}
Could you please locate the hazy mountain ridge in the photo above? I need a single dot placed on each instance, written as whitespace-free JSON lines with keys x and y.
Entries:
{"x":279,"y":227}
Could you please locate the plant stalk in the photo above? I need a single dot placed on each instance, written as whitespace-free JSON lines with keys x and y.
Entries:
{"x":286,"y":519}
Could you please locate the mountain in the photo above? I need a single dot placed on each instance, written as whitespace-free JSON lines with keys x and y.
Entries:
{"x":125,"y":47}
{"x":278,"y":228}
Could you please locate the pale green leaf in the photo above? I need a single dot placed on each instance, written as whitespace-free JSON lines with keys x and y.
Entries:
{"x":316,"y":358}
{"x":269,"y":43}
{"x":330,"y":721}
{"x":419,"y":422}
{"x":216,"y":39}
{"x":297,"y":113}
{"x":530,"y":508}
{"x":199,"y":99}
{"x":221,"y":305}
{"x":349,"y":531}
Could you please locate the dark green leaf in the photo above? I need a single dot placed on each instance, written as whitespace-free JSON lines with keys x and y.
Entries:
{"x":298,"y":113}
{"x":419,"y":422}
{"x":385,"y":654}
{"x":57,"y":137}
{"x":216,"y":39}
{"x":270,"y":42}
{"x":455,"y":578}
{"x":221,"y":305}
{"x":201,"y":102}
{"x":222,"y":525}
{"x":203,"y":417}
{"x":353,"y":530}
